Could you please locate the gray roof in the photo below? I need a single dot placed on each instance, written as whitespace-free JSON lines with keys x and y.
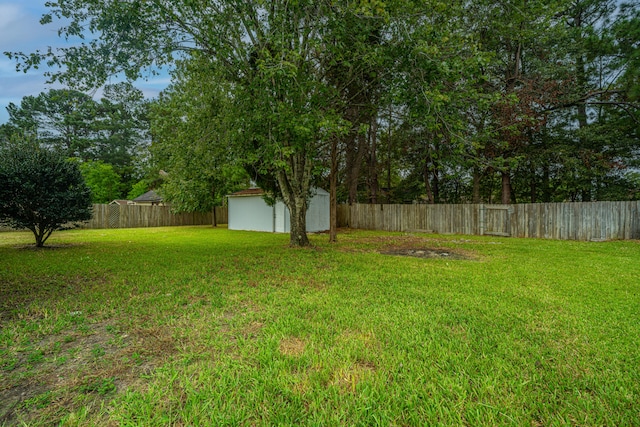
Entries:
{"x":149,"y":196}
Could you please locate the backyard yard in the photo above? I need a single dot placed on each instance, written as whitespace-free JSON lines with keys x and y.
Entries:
{"x":207,"y":326}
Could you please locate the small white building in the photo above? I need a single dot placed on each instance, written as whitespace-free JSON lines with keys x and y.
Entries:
{"x":249,"y":211}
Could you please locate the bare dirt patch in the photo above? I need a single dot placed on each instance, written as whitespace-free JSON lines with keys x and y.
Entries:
{"x":416,"y":246}
{"x":438,"y":253}
{"x":292,"y":346}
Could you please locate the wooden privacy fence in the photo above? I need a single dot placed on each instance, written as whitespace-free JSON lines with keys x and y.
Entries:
{"x":131,"y":216}
{"x":565,"y":221}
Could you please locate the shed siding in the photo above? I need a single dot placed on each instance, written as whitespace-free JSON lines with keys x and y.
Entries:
{"x":250,"y":213}
{"x":318,"y":212}
{"x":282,"y":218}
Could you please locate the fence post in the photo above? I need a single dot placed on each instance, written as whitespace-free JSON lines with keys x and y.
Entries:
{"x":481,"y":219}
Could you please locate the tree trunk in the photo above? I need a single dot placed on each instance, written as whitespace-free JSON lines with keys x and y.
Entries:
{"x":583,"y":119}
{"x":298,"y":221}
{"x":354,"y":166}
{"x":333,"y":189}
{"x":213,"y":209}
{"x":389,"y":149}
{"x":427,"y":180}
{"x":41,"y":234}
{"x":546,"y":186}
{"x":373,"y":161}
{"x":533,"y":190}
{"x":476,"y":185}
{"x":435,"y":188}
{"x":39,"y":240}
{"x":506,"y":188}
{"x":294,"y":184}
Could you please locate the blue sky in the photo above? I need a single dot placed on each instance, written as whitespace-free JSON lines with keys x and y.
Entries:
{"x":20,"y":31}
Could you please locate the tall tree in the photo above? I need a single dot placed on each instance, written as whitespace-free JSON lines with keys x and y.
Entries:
{"x":435,"y":86}
{"x":357,"y":63}
{"x":121,"y":129}
{"x":60,"y":119}
{"x":522,"y":37}
{"x":591,"y":142}
{"x":192,"y":143}
{"x":113,"y":130}
{"x":626,"y":35}
{"x":269,"y":53}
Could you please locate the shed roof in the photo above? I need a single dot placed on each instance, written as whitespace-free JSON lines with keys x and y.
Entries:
{"x":259,"y":192}
{"x":248,"y":192}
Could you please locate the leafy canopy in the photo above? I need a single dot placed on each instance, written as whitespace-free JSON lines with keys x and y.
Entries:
{"x":103,"y":181}
{"x":192,"y":141}
{"x":113,"y":130}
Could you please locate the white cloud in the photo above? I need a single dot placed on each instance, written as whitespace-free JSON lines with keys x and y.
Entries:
{"x":9,"y":13}
{"x":20,"y":29}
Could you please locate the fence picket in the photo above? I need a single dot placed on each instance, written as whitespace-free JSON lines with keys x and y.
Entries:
{"x":133,"y":216}
{"x":565,"y":221}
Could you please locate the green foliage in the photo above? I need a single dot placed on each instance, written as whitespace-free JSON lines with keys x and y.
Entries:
{"x":121,"y":130}
{"x":59,"y":119}
{"x":41,"y":190}
{"x":113,"y":130}
{"x":626,"y":36}
{"x":192,"y":143}
{"x":399,"y":100}
{"x":138,"y":189}
{"x":103,"y":181}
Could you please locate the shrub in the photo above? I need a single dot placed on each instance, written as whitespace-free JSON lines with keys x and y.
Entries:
{"x":40,"y":190}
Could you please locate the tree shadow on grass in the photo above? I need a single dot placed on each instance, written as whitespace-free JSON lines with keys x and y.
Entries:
{"x":46,"y":247}
{"x":20,"y":293}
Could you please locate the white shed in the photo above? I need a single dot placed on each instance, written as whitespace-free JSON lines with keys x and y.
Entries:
{"x":249,"y":211}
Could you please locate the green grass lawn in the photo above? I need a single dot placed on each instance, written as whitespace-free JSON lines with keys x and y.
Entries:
{"x":201,"y":326}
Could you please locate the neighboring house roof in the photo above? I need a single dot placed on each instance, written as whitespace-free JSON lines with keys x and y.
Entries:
{"x":248,"y":192}
{"x":149,"y":197}
{"x":120,"y":202}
